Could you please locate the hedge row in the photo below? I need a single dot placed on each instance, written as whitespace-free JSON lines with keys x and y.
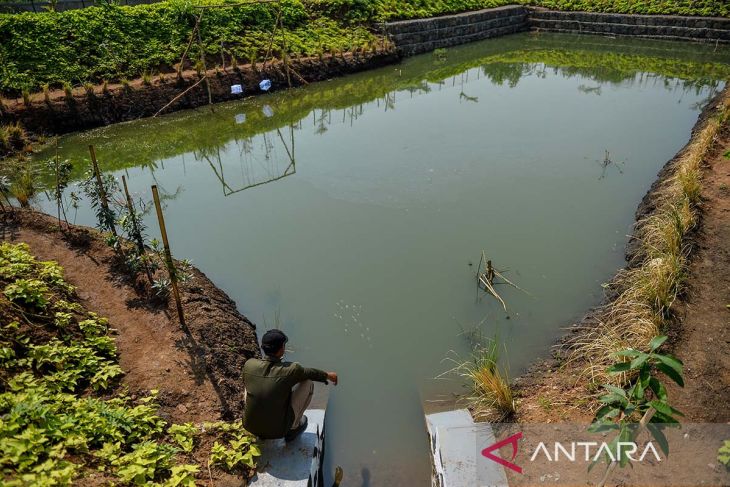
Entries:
{"x":114,"y":42}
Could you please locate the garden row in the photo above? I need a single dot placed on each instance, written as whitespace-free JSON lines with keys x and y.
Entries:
{"x":52,"y":50}
{"x":64,"y":418}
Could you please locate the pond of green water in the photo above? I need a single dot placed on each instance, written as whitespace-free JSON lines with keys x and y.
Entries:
{"x":353,"y":213}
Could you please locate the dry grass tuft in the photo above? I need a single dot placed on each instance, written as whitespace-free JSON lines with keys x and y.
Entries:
{"x":490,"y":397}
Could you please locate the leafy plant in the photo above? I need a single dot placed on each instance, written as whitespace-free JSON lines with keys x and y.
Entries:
{"x":62,"y":173}
{"x":723,"y":454}
{"x":182,"y":476}
{"x":96,"y":194}
{"x":30,"y":292}
{"x":647,"y":396}
{"x":184,"y":435}
{"x":145,"y":462}
{"x":242,"y":452}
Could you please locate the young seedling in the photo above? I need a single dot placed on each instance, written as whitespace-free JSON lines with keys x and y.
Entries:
{"x":645,"y":404}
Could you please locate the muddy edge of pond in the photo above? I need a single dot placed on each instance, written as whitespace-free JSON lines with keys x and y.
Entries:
{"x":553,"y":391}
{"x":57,"y":114}
{"x":198,"y":370}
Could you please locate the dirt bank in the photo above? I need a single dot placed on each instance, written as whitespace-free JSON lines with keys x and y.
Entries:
{"x":553,"y":390}
{"x":102,"y":105}
{"x":196,"y":370}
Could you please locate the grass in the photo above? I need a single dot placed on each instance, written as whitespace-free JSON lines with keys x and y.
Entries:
{"x":645,"y":292}
{"x":23,"y":187}
{"x":490,"y":396}
{"x":13,"y":138}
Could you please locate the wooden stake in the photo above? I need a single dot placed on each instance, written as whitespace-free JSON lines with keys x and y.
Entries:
{"x":202,"y":60}
{"x":285,"y":49}
{"x":100,"y":187}
{"x":205,"y":77}
{"x":168,"y":256}
{"x":135,"y":229}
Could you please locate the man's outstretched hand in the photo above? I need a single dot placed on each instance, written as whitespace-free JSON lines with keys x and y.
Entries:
{"x":332,"y":377}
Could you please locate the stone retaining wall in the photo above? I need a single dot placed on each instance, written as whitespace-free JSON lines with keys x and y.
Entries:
{"x":706,"y":29}
{"x":424,"y":35}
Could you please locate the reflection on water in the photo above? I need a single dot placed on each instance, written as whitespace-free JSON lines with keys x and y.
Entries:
{"x":349,"y":212}
{"x":254,"y":170}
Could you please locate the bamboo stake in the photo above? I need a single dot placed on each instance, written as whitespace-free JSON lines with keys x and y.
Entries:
{"x":58,"y":187}
{"x":271,"y":39}
{"x":190,"y":43}
{"x":202,"y":60}
{"x":285,"y":49}
{"x":168,"y":256}
{"x":100,"y":187}
{"x":180,"y":95}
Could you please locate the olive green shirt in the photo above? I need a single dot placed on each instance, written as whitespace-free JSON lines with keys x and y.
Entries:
{"x":269,"y":382}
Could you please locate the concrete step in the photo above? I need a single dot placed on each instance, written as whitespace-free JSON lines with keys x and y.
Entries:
{"x":298,"y":463}
{"x":456,"y":445}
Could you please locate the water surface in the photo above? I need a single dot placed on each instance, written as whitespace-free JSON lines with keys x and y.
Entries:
{"x":352,"y":213}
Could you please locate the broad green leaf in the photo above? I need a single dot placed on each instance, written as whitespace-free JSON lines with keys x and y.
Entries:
{"x":671,"y":373}
{"x":659,"y":390}
{"x":657,"y":342}
{"x":658,"y":435}
{"x":671,"y":361}
{"x":619,"y":368}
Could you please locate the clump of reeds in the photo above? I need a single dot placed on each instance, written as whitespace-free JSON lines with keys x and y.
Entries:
{"x":644,"y":293}
{"x":26,"y":98}
{"x":490,"y":394}
{"x":68,"y":92}
{"x":13,"y":138}
{"x":89,"y":88}
{"x":23,"y":187}
{"x":46,"y":93}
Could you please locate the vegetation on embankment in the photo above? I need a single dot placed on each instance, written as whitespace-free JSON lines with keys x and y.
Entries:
{"x":47,"y":50}
{"x":641,"y":299}
{"x":65,"y":420}
{"x":43,"y":51}
{"x":643,"y":294}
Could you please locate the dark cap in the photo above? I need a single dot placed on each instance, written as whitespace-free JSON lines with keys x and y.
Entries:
{"x":273,"y":340}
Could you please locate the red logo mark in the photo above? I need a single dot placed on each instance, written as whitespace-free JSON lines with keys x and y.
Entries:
{"x":512,"y":440}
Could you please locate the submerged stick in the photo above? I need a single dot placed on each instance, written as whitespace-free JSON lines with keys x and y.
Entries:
{"x":498,"y":274}
{"x":490,"y":289}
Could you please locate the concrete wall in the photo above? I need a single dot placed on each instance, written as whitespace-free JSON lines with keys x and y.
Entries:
{"x":706,"y":29}
{"x":424,"y":35}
